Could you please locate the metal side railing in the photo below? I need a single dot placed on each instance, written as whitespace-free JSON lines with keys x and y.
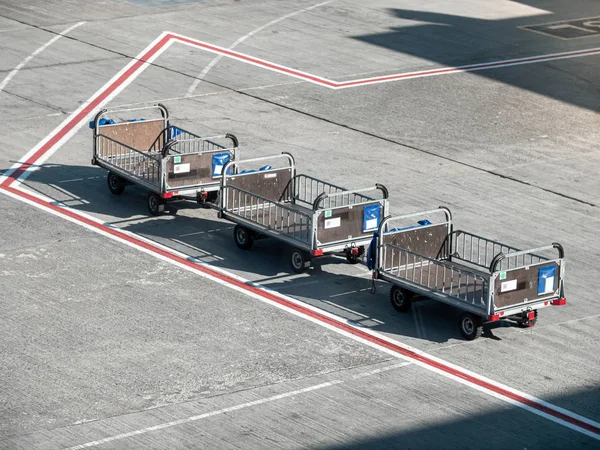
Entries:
{"x":307,"y":189}
{"x":267,"y":214}
{"x":435,"y":275}
{"x":481,"y":251}
{"x":127,"y":159}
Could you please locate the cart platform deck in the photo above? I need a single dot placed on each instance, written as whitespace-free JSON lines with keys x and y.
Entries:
{"x":480,"y":276}
{"x":164,"y":159}
{"x":312,"y":216}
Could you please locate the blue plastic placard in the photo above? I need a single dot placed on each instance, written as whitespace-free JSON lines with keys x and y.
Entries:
{"x":546,"y":279}
{"x":174,"y":132}
{"x":218,"y":162}
{"x":371,"y":217}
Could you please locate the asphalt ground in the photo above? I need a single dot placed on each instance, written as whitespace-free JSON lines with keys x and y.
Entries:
{"x":109,"y":346}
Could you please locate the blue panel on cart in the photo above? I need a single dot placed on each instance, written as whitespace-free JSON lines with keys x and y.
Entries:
{"x":546,"y":280}
{"x":371,"y":217}
{"x":218,"y":162}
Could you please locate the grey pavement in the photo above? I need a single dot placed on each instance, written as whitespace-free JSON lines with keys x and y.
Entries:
{"x":100,"y":341}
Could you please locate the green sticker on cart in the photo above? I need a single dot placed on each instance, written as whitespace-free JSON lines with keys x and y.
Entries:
{"x":177,"y":159}
{"x":503,"y":275}
{"x":328,"y":213}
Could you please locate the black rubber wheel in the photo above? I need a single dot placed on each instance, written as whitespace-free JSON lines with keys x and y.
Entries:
{"x":470,"y":325}
{"x":299,"y":260}
{"x":400,"y":298}
{"x":242,"y":237}
{"x":524,"y":322}
{"x":156,"y":205}
{"x":116,"y":184}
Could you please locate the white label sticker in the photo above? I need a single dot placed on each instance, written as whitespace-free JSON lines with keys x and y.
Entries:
{"x":270,"y":175}
{"x":371,"y":224}
{"x":508,"y":286}
{"x":217,"y":170}
{"x":181,"y":168}
{"x":548,"y":285}
{"x":332,"y":223}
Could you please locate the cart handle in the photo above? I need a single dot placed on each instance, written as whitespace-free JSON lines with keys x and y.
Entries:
{"x":324,"y":195}
{"x":501,"y":256}
{"x":233,"y":138}
{"x":167,"y":146}
{"x":164,"y":112}
{"x":238,"y":162}
{"x":407,"y":216}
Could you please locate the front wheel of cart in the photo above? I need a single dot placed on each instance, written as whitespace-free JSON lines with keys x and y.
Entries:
{"x":156,"y":205}
{"x":242,"y":237}
{"x":401,"y":299}
{"x":299,"y":260}
{"x":471,"y":326}
{"x":116,"y":184}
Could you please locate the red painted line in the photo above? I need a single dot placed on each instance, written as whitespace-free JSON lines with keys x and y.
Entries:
{"x":307,"y":312}
{"x":256,"y":61}
{"x":83,"y":113}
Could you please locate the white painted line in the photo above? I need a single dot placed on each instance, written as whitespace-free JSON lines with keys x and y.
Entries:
{"x":162,"y":426}
{"x":35,"y":53}
{"x":234,"y":408}
{"x":346,"y":309}
{"x":343,"y":293}
{"x":381,"y":370}
{"x":192,"y":234}
{"x":216,"y":60}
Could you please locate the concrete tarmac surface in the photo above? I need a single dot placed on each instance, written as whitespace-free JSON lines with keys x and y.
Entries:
{"x":106,"y":346}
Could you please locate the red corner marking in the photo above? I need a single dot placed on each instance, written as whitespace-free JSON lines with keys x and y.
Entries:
{"x":84,"y":112}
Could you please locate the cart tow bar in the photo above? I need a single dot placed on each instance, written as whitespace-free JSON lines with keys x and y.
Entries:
{"x":373,"y":286}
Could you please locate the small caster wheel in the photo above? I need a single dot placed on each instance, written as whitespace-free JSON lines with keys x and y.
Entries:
{"x":156,"y":205}
{"x":116,"y":184}
{"x":299,"y":260}
{"x":242,"y":237}
{"x":400,"y":298}
{"x":471,"y":326}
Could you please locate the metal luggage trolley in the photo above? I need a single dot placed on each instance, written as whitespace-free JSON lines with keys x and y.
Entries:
{"x":312,"y":216}
{"x":488,"y":280}
{"x":166,"y":160}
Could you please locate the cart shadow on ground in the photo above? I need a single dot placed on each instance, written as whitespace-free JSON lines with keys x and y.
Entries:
{"x":330,"y":284}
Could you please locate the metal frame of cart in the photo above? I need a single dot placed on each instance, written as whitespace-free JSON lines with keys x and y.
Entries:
{"x":486,"y":279}
{"x":166,"y":160}
{"x":312,"y":216}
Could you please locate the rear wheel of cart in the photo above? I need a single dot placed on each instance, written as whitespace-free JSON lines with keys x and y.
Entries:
{"x":242,"y":237}
{"x":299,"y":260}
{"x":116,"y":184}
{"x":525,"y":322}
{"x":156,"y":205}
{"x":401,"y":299}
{"x":471,"y":326}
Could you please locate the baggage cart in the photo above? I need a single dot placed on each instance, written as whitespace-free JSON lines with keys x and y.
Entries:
{"x":487,"y":280}
{"x":166,"y":160}
{"x":313,"y":217}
